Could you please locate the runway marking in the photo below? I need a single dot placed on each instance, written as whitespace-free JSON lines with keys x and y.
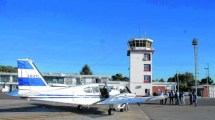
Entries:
{"x":37,"y":116}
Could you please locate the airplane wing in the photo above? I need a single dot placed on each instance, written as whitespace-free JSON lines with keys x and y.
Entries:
{"x":129,"y":98}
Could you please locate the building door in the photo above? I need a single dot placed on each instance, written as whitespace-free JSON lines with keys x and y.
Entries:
{"x":147,"y":92}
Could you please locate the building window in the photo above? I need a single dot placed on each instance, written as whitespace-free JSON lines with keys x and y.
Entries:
{"x":147,"y":67}
{"x":147,"y":79}
{"x":142,"y":44}
{"x":4,"y":78}
{"x":15,"y":78}
{"x":146,"y":57}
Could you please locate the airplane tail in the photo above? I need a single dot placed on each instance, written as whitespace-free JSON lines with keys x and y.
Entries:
{"x":28,"y":75}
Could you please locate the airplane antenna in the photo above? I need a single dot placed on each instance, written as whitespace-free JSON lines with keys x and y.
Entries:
{"x":139,"y":31}
{"x":145,"y":33}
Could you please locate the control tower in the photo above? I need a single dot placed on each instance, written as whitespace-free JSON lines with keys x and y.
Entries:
{"x":140,"y":51}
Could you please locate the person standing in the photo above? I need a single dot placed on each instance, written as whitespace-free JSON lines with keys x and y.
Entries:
{"x":165,"y":94}
{"x":183,"y":98}
{"x":180,"y":98}
{"x":171,"y":96}
{"x":191,"y":97}
{"x":195,"y":97}
{"x":176,"y":97}
{"x":161,"y":101}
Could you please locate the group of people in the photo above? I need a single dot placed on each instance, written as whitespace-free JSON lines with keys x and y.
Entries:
{"x":179,"y":98}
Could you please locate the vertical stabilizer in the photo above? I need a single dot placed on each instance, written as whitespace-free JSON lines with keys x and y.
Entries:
{"x":28,"y":75}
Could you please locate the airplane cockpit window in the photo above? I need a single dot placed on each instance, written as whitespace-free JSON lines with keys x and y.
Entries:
{"x":95,"y":89}
{"x":88,"y":90}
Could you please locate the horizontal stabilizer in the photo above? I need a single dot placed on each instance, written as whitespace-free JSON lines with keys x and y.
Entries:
{"x":14,"y":93}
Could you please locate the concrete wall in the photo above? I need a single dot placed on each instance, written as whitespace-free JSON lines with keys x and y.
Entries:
{"x":137,"y":73}
{"x":212,"y":91}
{"x":158,"y":89}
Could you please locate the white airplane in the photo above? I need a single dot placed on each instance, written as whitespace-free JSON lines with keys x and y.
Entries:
{"x":32,"y":86}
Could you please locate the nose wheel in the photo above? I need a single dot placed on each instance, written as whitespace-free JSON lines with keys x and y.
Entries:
{"x":80,"y":107}
{"x":111,"y":110}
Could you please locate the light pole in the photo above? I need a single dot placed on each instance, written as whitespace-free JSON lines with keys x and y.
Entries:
{"x":206,"y":69}
{"x":195,"y":44}
{"x":177,"y":80}
{"x":207,"y":77}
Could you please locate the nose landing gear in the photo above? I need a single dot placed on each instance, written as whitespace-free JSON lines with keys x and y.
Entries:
{"x":80,"y":107}
{"x":111,"y":110}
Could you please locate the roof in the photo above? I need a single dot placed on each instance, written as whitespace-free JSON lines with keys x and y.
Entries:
{"x":147,"y":39}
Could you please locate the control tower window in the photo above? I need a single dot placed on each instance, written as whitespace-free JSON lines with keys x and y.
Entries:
{"x":149,"y":45}
{"x":147,"y":57}
{"x":131,"y":44}
{"x":147,"y":67}
{"x":142,"y":44}
{"x":147,"y":79}
{"x":137,"y":43}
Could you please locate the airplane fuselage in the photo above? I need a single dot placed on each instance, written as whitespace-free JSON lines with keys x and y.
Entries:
{"x":81,"y":95}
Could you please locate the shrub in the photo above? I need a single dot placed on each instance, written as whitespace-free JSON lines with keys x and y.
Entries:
{"x":155,"y":94}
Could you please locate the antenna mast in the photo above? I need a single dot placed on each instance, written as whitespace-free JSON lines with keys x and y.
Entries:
{"x":139,"y":31}
{"x":145,"y":33}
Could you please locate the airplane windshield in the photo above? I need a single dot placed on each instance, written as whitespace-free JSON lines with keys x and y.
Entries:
{"x":88,"y":90}
{"x":95,"y":89}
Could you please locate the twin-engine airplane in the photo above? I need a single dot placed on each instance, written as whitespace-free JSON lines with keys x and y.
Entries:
{"x":32,"y":86}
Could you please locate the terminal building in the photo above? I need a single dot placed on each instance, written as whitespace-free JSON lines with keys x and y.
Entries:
{"x":9,"y":81}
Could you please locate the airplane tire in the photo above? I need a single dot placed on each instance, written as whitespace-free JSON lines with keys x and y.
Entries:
{"x":80,"y":107}
{"x":111,"y":111}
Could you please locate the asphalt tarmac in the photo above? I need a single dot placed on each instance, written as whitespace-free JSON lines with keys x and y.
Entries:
{"x":204,"y":111}
{"x":12,"y":108}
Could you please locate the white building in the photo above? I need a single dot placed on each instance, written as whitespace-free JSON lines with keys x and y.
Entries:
{"x":140,"y":51}
{"x":9,"y":81}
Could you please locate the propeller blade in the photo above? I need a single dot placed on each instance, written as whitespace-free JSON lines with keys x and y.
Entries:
{"x":128,"y":89}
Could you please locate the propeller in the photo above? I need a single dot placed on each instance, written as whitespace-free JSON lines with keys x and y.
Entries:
{"x":128,"y":89}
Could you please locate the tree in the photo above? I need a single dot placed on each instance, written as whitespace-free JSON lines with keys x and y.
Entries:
{"x":9,"y":69}
{"x":186,"y":80}
{"x":126,"y":79}
{"x":161,"y":80}
{"x":183,"y":86}
{"x":86,"y":70}
{"x":119,"y":77}
{"x":204,"y":81}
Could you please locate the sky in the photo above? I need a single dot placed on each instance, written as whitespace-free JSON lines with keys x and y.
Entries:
{"x":61,"y":36}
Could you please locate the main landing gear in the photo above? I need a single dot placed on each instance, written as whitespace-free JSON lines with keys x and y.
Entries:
{"x":123,"y":107}
{"x":111,"y":110}
{"x":120,"y":108}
